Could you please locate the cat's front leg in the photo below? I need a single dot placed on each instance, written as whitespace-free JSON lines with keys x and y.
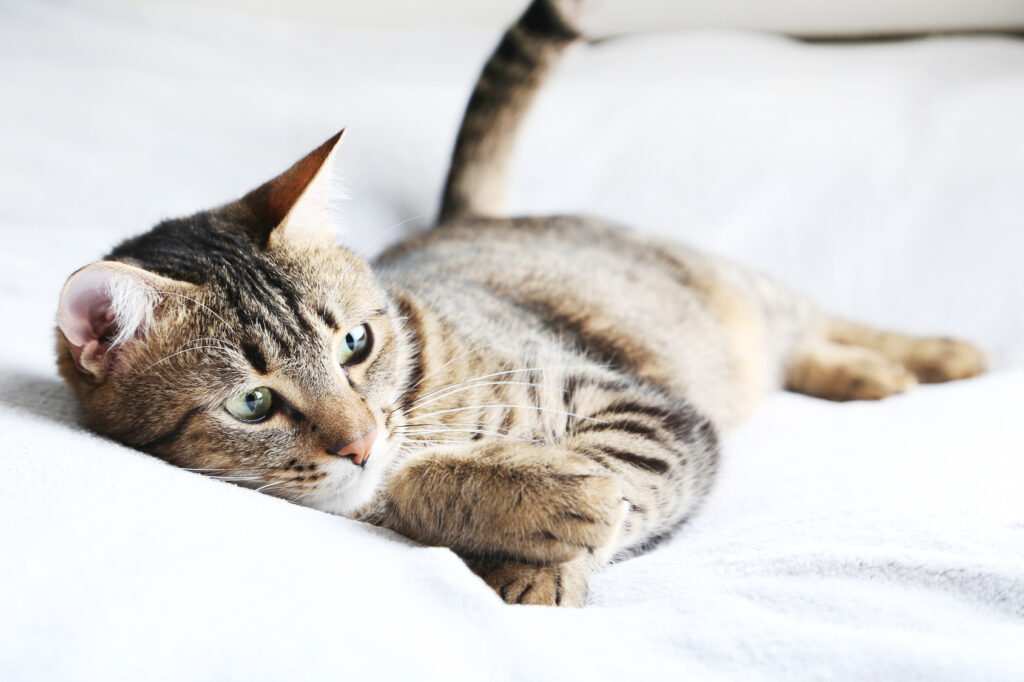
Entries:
{"x":535,"y":504}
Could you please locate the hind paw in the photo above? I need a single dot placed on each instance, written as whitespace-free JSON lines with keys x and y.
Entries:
{"x":934,"y":361}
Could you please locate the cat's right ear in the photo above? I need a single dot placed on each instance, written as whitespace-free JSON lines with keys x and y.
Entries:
{"x":105,"y":306}
{"x":293,"y":209}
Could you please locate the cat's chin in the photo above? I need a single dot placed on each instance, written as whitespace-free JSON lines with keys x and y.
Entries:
{"x":347,"y":488}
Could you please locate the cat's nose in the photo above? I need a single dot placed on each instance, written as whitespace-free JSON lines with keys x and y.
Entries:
{"x":358,"y":450}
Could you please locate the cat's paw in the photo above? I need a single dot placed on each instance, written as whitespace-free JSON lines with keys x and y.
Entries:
{"x":570,"y":507}
{"x":554,"y":585}
{"x":529,"y":503}
{"x":937,"y":360}
{"x":870,"y":380}
{"x":839,"y":372}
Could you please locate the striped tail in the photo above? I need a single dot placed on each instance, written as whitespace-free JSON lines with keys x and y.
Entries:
{"x":503,"y":94}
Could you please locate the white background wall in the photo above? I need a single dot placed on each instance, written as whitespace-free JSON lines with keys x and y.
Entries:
{"x":806,"y":17}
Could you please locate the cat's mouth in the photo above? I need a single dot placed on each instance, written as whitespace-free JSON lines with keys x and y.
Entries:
{"x":347,"y":488}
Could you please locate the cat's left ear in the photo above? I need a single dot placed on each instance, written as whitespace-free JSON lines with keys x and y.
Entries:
{"x":294,"y":208}
{"x":107,"y":306}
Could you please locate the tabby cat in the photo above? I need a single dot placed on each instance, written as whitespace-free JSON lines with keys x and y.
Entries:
{"x":541,"y":395}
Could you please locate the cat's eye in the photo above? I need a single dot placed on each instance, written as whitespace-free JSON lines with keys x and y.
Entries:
{"x":250,"y":407}
{"x":355,"y":346}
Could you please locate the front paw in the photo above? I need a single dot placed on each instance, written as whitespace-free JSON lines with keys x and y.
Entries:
{"x":529,"y":503}
{"x":562,"y":510}
{"x":555,"y":585}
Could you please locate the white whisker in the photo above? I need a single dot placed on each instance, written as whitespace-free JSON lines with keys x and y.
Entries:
{"x":438,"y":442}
{"x":401,"y":427}
{"x":525,"y":407}
{"x":465,"y":386}
{"x":498,"y":374}
{"x":200,"y":303}
{"x":482,"y":432}
{"x":457,"y":357}
{"x":269,"y":485}
{"x":362,"y":252}
{"x":221,"y":348}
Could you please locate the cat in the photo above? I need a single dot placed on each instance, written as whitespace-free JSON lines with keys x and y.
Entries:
{"x":541,"y":394}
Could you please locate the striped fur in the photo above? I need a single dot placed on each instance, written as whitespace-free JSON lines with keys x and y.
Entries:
{"x":547,"y":393}
{"x":500,"y":100}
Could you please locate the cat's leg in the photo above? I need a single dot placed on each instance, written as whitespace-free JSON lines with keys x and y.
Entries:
{"x":840,"y":360}
{"x":630,"y":469}
{"x":540,"y":504}
{"x":932,"y":360}
{"x":826,"y":369}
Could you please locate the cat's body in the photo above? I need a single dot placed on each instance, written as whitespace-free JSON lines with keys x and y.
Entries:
{"x":539,"y":394}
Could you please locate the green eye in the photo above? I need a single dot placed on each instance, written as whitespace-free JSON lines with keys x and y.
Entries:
{"x":354,"y":346}
{"x":250,"y":407}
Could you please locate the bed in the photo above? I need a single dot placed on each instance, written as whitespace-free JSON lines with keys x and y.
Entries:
{"x":862,"y":541}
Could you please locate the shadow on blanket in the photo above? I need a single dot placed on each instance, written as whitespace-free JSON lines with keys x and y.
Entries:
{"x":44,"y":396}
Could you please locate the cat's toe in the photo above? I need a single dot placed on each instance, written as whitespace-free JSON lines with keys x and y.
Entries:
{"x":556,"y":585}
{"x":874,"y":381}
{"x":937,"y":360}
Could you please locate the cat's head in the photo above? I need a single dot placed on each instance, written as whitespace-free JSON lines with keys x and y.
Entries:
{"x":241,"y":342}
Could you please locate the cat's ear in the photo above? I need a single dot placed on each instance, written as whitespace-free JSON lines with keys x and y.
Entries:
{"x":294,"y":207}
{"x":105,"y":305}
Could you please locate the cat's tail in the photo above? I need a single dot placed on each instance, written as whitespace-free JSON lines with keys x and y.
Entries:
{"x":503,"y":94}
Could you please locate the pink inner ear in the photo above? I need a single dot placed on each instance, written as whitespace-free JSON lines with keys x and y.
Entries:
{"x":86,"y":318}
{"x":85,"y":312}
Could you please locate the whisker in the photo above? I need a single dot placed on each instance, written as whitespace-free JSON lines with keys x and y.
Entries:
{"x":270,"y":485}
{"x":438,"y":442}
{"x":527,"y":407}
{"x":221,"y":348}
{"x":457,"y":357}
{"x":199,"y":303}
{"x":465,"y":386}
{"x":401,"y":427}
{"x":199,"y":339}
{"x":361,"y":253}
{"x":506,"y":372}
{"x":480,"y":431}
{"x":236,"y":478}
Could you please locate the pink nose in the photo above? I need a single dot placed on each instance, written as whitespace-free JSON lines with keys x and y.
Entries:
{"x":358,"y":450}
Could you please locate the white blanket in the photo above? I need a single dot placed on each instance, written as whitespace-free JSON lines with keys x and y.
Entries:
{"x":851,"y":542}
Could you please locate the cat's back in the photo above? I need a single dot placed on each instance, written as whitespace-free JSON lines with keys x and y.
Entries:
{"x":555,"y":268}
{"x":622,"y":298}
{"x":557,"y":255}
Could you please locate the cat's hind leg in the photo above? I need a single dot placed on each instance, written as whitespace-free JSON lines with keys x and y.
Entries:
{"x":842,"y":360}
{"x":833,"y":371}
{"x":932,"y":360}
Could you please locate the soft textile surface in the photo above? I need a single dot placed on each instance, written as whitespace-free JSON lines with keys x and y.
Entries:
{"x":861,"y":541}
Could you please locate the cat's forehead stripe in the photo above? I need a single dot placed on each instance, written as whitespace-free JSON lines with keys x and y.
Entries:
{"x":252,"y":286}
{"x":328,"y":317}
{"x":255,"y":356}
